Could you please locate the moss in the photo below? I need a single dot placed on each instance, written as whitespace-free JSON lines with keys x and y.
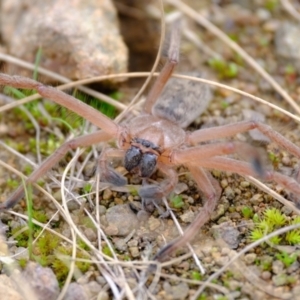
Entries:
{"x":176,"y":201}
{"x":272,"y":220}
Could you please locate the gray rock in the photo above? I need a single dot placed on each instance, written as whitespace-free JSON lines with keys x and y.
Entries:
{"x":280,"y":279}
{"x":42,"y":280}
{"x":8,"y":289}
{"x":180,"y":291}
{"x":287,"y":43}
{"x":79,"y":39}
{"x":76,"y":291}
{"x":277,"y":267}
{"x":227,"y":232}
{"x":93,"y":288}
{"x":188,"y":216}
{"x":122,"y":217}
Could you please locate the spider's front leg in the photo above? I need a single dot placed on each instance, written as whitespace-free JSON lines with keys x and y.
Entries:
{"x":152,"y":194}
{"x":51,"y":161}
{"x":212,"y":192}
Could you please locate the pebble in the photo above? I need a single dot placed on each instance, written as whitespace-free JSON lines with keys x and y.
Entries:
{"x":227,"y":232}
{"x":122,"y":217}
{"x":245,"y":184}
{"x":134,"y":251}
{"x":250,"y":258}
{"x":293,"y":267}
{"x":229,"y":193}
{"x":90,"y":234}
{"x":76,"y":291}
{"x":42,"y":280}
{"x":107,"y":194}
{"x":180,"y":188}
{"x":111,"y":230}
{"x":154,"y":223}
{"x":8,"y":290}
{"x":280,"y":279}
{"x":179,"y":291}
{"x":266,"y":275}
{"x":102,"y":210}
{"x":93,"y":288}
{"x":277,"y":267}
{"x":187,"y":217}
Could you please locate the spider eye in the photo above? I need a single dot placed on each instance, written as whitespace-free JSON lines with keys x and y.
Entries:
{"x":133,"y":158}
{"x":148,"y":164}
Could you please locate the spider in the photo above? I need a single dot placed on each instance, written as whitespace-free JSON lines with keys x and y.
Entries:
{"x":156,"y":140}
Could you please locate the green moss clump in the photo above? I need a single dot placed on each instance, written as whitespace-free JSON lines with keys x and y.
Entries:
{"x":272,"y":220}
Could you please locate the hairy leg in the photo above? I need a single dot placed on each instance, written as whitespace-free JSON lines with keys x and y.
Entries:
{"x":77,"y":106}
{"x":207,"y":134}
{"x":246,"y":169}
{"x":212,"y":193}
{"x":82,"y":141}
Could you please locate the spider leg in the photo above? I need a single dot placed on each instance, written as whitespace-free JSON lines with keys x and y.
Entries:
{"x":207,"y":151}
{"x":207,"y":134}
{"x":246,"y":169}
{"x":75,"y":105}
{"x":212,"y":193}
{"x":155,"y":192}
{"x":166,"y":72}
{"x":82,"y":141}
{"x":108,"y":174}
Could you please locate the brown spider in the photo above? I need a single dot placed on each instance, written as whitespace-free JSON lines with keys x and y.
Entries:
{"x":156,"y":140}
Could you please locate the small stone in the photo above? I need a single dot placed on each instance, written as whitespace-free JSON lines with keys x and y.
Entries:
{"x":73,"y":205}
{"x":266,"y":275}
{"x":154,"y":223}
{"x":132,"y":243}
{"x":222,"y":260}
{"x":293,"y":267}
{"x":234,"y":284}
{"x":90,"y":234}
{"x":229,"y":193}
{"x":188,"y":217}
{"x":227,"y":232}
{"x":42,"y":280}
{"x":111,"y":230}
{"x":184,"y":265}
{"x":180,"y":188}
{"x":103,"y":295}
{"x":120,"y":245}
{"x":122,"y":217}
{"x":280,"y":279}
{"x":224,"y":183}
{"x":102,"y":210}
{"x":245,"y":184}
{"x":107,"y":194}
{"x":256,"y":198}
{"x":263,"y":14}
{"x":250,"y":258}
{"x":180,"y":291}
{"x":93,"y":288}
{"x":134,"y":251}
{"x":76,"y":291}
{"x":277,"y":267}
{"x":8,"y":290}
